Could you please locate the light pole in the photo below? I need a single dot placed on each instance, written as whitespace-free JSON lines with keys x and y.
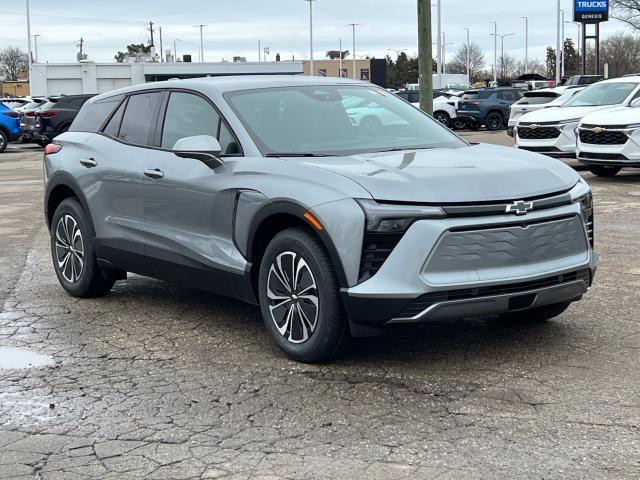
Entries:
{"x":439,"y":60}
{"x":311,"y":70}
{"x":29,"y":39}
{"x":175,"y":49}
{"x":562,"y":42}
{"x":444,"y":54}
{"x":579,"y":25}
{"x":35,"y":44}
{"x":558,"y":44}
{"x":201,"y":42}
{"x":495,"y":51}
{"x":353,"y":26}
{"x":526,"y":44}
{"x":340,"y":61}
{"x":503,"y":73}
{"x":468,"y":55}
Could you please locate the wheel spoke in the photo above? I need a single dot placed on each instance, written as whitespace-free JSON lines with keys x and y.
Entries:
{"x":69,"y":249}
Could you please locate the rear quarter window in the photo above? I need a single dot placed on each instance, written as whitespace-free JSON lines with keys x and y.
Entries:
{"x":93,"y":115}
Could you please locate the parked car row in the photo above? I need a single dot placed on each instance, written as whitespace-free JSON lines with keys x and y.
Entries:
{"x":598,"y":126}
{"x":38,"y":120}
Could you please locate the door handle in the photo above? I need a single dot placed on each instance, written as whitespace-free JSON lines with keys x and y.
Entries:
{"x":155,"y":173}
{"x":89,"y":162}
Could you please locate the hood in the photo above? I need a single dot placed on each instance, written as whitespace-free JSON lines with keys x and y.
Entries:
{"x":617,"y":116}
{"x":475,"y":173}
{"x":559,"y":114}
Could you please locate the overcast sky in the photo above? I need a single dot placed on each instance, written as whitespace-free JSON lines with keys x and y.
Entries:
{"x":234,"y":27}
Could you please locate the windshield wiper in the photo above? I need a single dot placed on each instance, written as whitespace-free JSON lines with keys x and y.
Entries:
{"x":402,"y":149}
{"x":298,"y":154}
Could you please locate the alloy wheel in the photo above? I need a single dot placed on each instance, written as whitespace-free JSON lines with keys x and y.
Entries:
{"x":69,"y":248}
{"x":292,"y":293}
{"x":2,"y":142}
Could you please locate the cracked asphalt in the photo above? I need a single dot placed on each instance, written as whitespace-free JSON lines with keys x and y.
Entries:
{"x":159,"y":381}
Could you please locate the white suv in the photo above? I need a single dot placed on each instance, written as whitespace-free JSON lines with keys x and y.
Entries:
{"x":609,"y":141}
{"x":537,"y":100}
{"x":551,"y":131}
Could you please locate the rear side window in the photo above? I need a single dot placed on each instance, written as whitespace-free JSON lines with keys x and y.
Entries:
{"x":113,"y":127}
{"x":139,"y":120}
{"x":508,"y":95}
{"x":188,"y":115}
{"x":93,"y":115}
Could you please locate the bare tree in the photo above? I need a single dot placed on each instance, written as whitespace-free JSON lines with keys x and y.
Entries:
{"x":534,"y":66}
{"x":621,"y":51}
{"x":627,"y":11}
{"x":13,"y":63}
{"x":459,"y":62}
{"x":507,"y":65}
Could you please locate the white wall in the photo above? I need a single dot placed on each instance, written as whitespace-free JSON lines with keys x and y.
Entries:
{"x":87,"y":78}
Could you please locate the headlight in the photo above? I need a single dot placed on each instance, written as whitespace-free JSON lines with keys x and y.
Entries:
{"x":393,"y":218}
{"x":569,"y":122}
{"x":582,"y":193}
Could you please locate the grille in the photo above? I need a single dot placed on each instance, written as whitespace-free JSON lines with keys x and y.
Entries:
{"x":541,"y":149}
{"x":540,"y":133}
{"x":375,"y":250}
{"x":425,"y":301}
{"x":606,"y":137}
{"x":602,"y":156}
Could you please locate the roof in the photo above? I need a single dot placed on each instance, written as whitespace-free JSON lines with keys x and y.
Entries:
{"x":235,"y":83}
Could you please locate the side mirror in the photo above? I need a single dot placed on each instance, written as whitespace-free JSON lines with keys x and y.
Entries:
{"x":204,"y":148}
{"x":635,"y":103}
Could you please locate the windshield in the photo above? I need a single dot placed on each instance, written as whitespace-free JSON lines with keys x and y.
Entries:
{"x":602,"y":94}
{"x":335,"y":120}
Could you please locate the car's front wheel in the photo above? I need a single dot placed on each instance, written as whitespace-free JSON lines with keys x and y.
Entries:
{"x":494,"y":121}
{"x":299,"y":297}
{"x":443,"y":118}
{"x":73,"y":255}
{"x":604,"y":171}
{"x":4,"y":141}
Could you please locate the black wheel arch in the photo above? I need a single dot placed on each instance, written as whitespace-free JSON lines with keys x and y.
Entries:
{"x":279,"y":215}
{"x":59,"y":187}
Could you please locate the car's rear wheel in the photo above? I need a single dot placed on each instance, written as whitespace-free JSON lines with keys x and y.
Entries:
{"x":494,"y":121}
{"x":604,"y":171}
{"x":299,"y":297}
{"x":4,"y":141}
{"x":73,"y":254}
{"x":474,"y":125}
{"x":459,"y":124}
{"x":538,"y":314}
{"x":443,"y":118}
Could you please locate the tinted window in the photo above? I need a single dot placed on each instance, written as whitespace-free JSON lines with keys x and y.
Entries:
{"x":113,"y":127}
{"x":139,"y":119}
{"x":188,"y":115}
{"x":508,"y":95}
{"x":93,"y":115}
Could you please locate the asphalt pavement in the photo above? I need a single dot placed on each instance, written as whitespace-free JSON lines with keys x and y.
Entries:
{"x":160,"y":381}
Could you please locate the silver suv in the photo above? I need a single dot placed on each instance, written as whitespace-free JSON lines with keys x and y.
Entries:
{"x":334,"y":205}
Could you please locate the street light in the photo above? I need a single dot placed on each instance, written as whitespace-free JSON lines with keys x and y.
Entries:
{"x":29,"y":38}
{"x":201,"y":42}
{"x":558,"y":44}
{"x":35,"y":41}
{"x":468,"y":55}
{"x":311,"y":70}
{"x":526,"y":44}
{"x":444,"y":54}
{"x":495,"y":51}
{"x":502,"y":50}
{"x":353,"y":26}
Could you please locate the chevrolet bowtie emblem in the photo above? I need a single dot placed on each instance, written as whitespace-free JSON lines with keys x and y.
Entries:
{"x":533,"y":126}
{"x":597,"y":129}
{"x":520,"y":207}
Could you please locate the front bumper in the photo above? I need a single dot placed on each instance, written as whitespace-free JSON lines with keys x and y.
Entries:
{"x":564,"y":145}
{"x":435,"y":272}
{"x":471,"y":116}
{"x":622,"y":155}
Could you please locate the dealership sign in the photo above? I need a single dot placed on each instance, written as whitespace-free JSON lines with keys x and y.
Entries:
{"x":591,"y":11}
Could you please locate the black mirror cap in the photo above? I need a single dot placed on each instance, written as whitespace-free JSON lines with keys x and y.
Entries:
{"x":210,"y":159}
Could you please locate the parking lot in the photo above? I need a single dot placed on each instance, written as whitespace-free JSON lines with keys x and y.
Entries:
{"x":160,"y":381}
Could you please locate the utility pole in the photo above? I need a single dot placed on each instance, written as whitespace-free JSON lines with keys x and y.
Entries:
{"x":468,"y":56}
{"x":526,"y":44}
{"x":29,"y":39}
{"x":439,"y":60}
{"x":311,"y":69}
{"x":425,"y":56}
{"x":495,"y":51}
{"x":562,"y":43}
{"x":35,"y":43}
{"x":81,"y":45}
{"x":259,"y":51}
{"x":558,"y":45}
{"x":151,"y":31}
{"x":201,"y":42}
{"x":353,"y":26}
{"x":161,"y":50}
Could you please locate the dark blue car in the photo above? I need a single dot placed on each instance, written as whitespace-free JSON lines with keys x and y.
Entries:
{"x":489,"y":106}
{"x":9,"y":126}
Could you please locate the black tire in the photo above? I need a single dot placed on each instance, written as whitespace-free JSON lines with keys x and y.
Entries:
{"x":91,"y":281}
{"x":442,"y":118}
{"x":327,"y":334}
{"x":604,"y":170}
{"x":474,"y":126}
{"x":538,"y":314}
{"x":459,"y":124}
{"x":494,"y":121}
{"x":4,"y":141}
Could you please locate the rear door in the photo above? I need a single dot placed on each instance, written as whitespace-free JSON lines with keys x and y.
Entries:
{"x":187,"y":205}
{"x":117,"y":160}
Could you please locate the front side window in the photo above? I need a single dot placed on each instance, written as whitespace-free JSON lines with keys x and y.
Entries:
{"x":188,"y":115}
{"x":335,"y":120}
{"x":139,"y":120}
{"x":600,"y":94}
